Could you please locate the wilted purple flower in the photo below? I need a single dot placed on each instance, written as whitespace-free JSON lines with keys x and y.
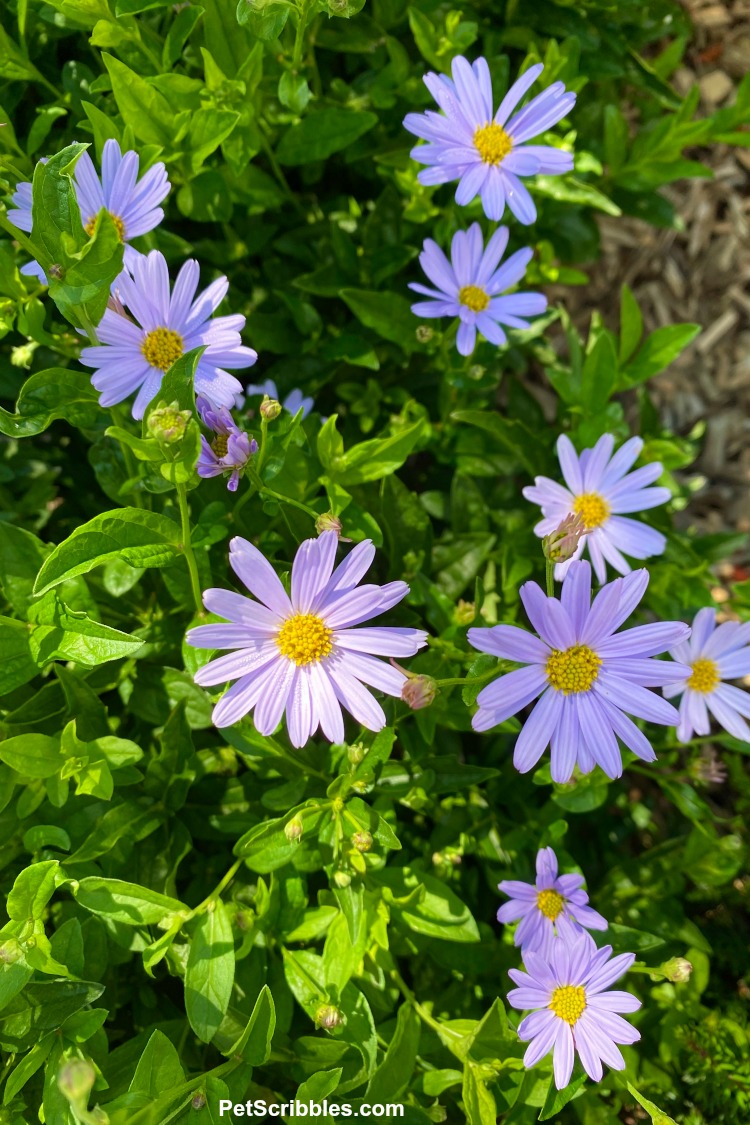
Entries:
{"x":231,"y":448}
{"x":293,"y":401}
{"x":575,"y":1013}
{"x":301,"y":654}
{"x":555,"y":904}
{"x":134,"y":356}
{"x":133,"y":204}
{"x":561,"y":545}
{"x":589,"y":676}
{"x":600,"y":490}
{"x":469,"y":286}
{"x":713,"y":654}
{"x":485,"y":150}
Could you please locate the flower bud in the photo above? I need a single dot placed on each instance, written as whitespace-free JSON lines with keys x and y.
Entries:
{"x":328,"y":522}
{"x":424,"y":333}
{"x":76,"y":1080}
{"x":562,"y":543}
{"x":329,"y":1017}
{"x":476,"y":371}
{"x":56,"y":271}
{"x":342,"y":879}
{"x":419,"y":692}
{"x":199,"y":1100}
{"x":677,"y":970}
{"x":23,"y":355}
{"x":293,"y":829}
{"x":362,"y":841}
{"x":270,"y":408}
{"x":356,"y":753}
{"x":10,"y":951}
{"x":464,"y":613}
{"x":167,"y":423}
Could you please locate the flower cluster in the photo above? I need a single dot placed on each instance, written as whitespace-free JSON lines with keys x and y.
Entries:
{"x":567,"y":978}
{"x":487,"y":151}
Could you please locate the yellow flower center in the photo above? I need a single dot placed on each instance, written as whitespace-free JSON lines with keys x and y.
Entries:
{"x":474,"y":298}
{"x":705,"y":676}
{"x":592,"y":508}
{"x":162,"y":347}
{"x":220,"y":444}
{"x":119,"y":225}
{"x":305,"y":638}
{"x":550,"y":903}
{"x":573,"y":669}
{"x":492,"y":143}
{"x":569,"y":1002}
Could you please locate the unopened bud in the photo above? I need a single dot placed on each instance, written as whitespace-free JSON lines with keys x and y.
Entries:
{"x":168,"y":423}
{"x":329,"y":1017}
{"x":562,"y":543}
{"x":293,"y":829}
{"x":342,"y":879}
{"x":362,"y":841}
{"x":338,"y":7}
{"x":10,"y":951}
{"x":476,"y":371}
{"x":56,"y":271}
{"x":199,"y":1100}
{"x":328,"y":522}
{"x":424,"y":333}
{"x":419,"y":692}
{"x":76,"y":1080}
{"x":356,"y":753}
{"x":464,"y":613}
{"x":270,"y":408}
{"x":677,"y":970}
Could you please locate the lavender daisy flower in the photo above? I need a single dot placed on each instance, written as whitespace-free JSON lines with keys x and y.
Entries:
{"x":293,"y":401}
{"x":574,"y":1012}
{"x":589,"y":677}
{"x":554,"y":905}
{"x":484,"y":150}
{"x":132,"y":203}
{"x":134,"y":354}
{"x":469,"y":286}
{"x":300,"y":654}
{"x":231,"y":448}
{"x":601,"y":490}
{"x":713,"y":654}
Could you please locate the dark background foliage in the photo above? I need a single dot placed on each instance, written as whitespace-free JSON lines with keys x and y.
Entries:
{"x":208,"y":978}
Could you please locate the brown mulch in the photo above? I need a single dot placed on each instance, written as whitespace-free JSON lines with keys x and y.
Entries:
{"x":699,"y":274}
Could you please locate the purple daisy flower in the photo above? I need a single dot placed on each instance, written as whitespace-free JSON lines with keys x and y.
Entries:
{"x":574,"y":1010}
{"x":293,"y":401}
{"x":231,"y":448}
{"x":554,"y":905}
{"x":132,"y":203}
{"x":300,"y":654}
{"x":600,"y":488}
{"x":484,"y":150}
{"x":134,"y":354}
{"x":469,"y":286}
{"x":589,"y":677}
{"x":713,"y":654}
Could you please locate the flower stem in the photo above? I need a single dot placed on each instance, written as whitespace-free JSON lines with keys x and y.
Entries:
{"x":550,"y":578}
{"x":187,"y":547}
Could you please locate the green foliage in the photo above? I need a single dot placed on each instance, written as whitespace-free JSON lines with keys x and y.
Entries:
{"x":194,"y":915}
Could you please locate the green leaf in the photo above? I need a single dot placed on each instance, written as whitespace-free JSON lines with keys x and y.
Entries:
{"x":32,"y":891}
{"x":21,"y":555}
{"x":55,"y":212}
{"x":47,"y":395}
{"x":128,"y":903}
{"x":479,"y":1104}
{"x":17,"y":666}
{"x":511,"y":435}
{"x":631,"y":324}
{"x":428,"y":906}
{"x":158,"y":1068}
{"x":137,"y":537}
{"x":557,"y":1099}
{"x":27,"y":1067}
{"x":125,"y":823}
{"x":657,"y":352}
{"x":32,"y":755}
{"x":266,"y":846}
{"x":254,"y":1045}
{"x":322,"y":133}
{"x":599,"y":375}
{"x":209,"y":973}
{"x":395,"y":1071}
{"x":143,"y":108}
{"x":60,"y":633}
{"x":388,"y":314}
{"x":373,"y":460}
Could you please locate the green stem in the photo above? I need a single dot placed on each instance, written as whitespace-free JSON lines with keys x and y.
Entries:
{"x":550,"y":566}
{"x":120,"y":419}
{"x":187,"y":547}
{"x":488,"y":675}
{"x":299,"y":39}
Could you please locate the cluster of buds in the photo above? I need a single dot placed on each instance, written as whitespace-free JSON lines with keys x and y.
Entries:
{"x":561,"y":544}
